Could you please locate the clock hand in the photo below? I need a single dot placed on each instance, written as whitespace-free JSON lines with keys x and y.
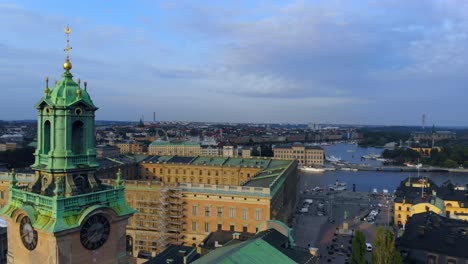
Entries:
{"x":27,"y":233}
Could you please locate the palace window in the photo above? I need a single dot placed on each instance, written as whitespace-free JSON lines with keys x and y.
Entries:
{"x":194,"y":226}
{"x":220,"y":211}
{"x":232,"y":212}
{"x":207,"y":227}
{"x":194,"y":209}
{"x":245,"y":214}
{"x":208,"y":210}
{"x":258,"y":214}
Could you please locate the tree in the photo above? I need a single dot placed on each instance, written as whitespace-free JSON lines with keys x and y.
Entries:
{"x":448,"y":163}
{"x":384,"y":251}
{"x":358,"y":253}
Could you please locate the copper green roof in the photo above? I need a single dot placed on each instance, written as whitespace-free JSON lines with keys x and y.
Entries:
{"x":210,"y":161}
{"x":66,"y":93}
{"x":256,"y":251}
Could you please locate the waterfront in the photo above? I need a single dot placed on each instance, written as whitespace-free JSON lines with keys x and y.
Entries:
{"x":367,"y":180}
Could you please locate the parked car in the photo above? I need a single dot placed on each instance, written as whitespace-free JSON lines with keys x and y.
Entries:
{"x":369,"y":247}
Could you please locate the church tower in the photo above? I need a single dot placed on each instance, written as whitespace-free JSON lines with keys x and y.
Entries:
{"x":66,"y":215}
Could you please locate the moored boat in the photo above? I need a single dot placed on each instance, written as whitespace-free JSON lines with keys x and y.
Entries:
{"x":338,"y":186}
{"x":312,"y":169}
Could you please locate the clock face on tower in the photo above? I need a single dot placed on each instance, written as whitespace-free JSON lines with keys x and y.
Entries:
{"x":28,"y":234}
{"x":95,"y":232}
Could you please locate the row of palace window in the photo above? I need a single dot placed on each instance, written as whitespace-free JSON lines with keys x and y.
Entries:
{"x":207,"y":228}
{"x":216,"y":173}
{"x":300,"y":157}
{"x":232,"y":212}
{"x":299,"y":152}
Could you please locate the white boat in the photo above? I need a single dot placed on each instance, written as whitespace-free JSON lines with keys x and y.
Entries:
{"x":338,"y":186}
{"x":332,"y":158}
{"x":312,"y":169}
{"x":419,"y":165}
{"x":349,"y":169}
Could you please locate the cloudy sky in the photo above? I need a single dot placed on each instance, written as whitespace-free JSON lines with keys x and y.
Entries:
{"x":332,"y":61}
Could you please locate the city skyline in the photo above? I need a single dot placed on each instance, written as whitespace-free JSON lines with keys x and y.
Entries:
{"x":366,"y":62}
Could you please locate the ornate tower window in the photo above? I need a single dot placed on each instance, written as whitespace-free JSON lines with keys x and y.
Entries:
{"x":77,"y":137}
{"x":46,"y":137}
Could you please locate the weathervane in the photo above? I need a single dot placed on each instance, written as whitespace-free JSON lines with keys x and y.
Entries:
{"x":67,"y":49}
{"x":67,"y":65}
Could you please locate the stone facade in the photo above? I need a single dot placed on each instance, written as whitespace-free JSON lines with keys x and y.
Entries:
{"x":305,"y":155}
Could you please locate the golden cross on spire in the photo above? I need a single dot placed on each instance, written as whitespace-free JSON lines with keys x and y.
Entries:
{"x":67,"y":49}
{"x":67,"y":65}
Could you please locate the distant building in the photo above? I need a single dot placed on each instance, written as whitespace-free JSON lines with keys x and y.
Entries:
{"x":12,"y":138}
{"x":229,"y":151}
{"x":431,"y":238}
{"x":390,"y":145}
{"x":7,"y":146}
{"x":436,"y":135}
{"x":425,"y":152}
{"x":306,"y":155}
{"x":131,"y":147}
{"x":186,"y":148}
{"x":209,"y":151}
{"x":104,"y":151}
{"x":417,"y":195}
{"x":246,"y":152}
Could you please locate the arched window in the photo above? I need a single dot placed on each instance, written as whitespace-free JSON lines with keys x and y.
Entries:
{"x":78,"y":137}
{"x":46,"y":137}
{"x":129,"y":245}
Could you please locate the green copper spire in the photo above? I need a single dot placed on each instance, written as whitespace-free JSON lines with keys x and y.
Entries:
{"x":65,"y":124}
{"x":13,"y":178}
{"x":119,"y":180}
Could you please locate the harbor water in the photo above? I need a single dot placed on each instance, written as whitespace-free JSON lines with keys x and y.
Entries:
{"x":366,"y":181}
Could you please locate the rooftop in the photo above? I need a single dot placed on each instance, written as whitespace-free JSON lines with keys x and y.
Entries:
{"x":174,"y":143}
{"x":434,"y":233}
{"x":269,"y":246}
{"x":174,"y":254}
{"x":410,"y":189}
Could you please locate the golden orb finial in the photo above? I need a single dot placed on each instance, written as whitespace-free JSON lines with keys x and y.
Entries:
{"x":67,"y":65}
{"x":78,"y":92}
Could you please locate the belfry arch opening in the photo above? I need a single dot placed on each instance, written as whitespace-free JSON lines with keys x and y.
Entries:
{"x":78,"y":137}
{"x":47,"y":136}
